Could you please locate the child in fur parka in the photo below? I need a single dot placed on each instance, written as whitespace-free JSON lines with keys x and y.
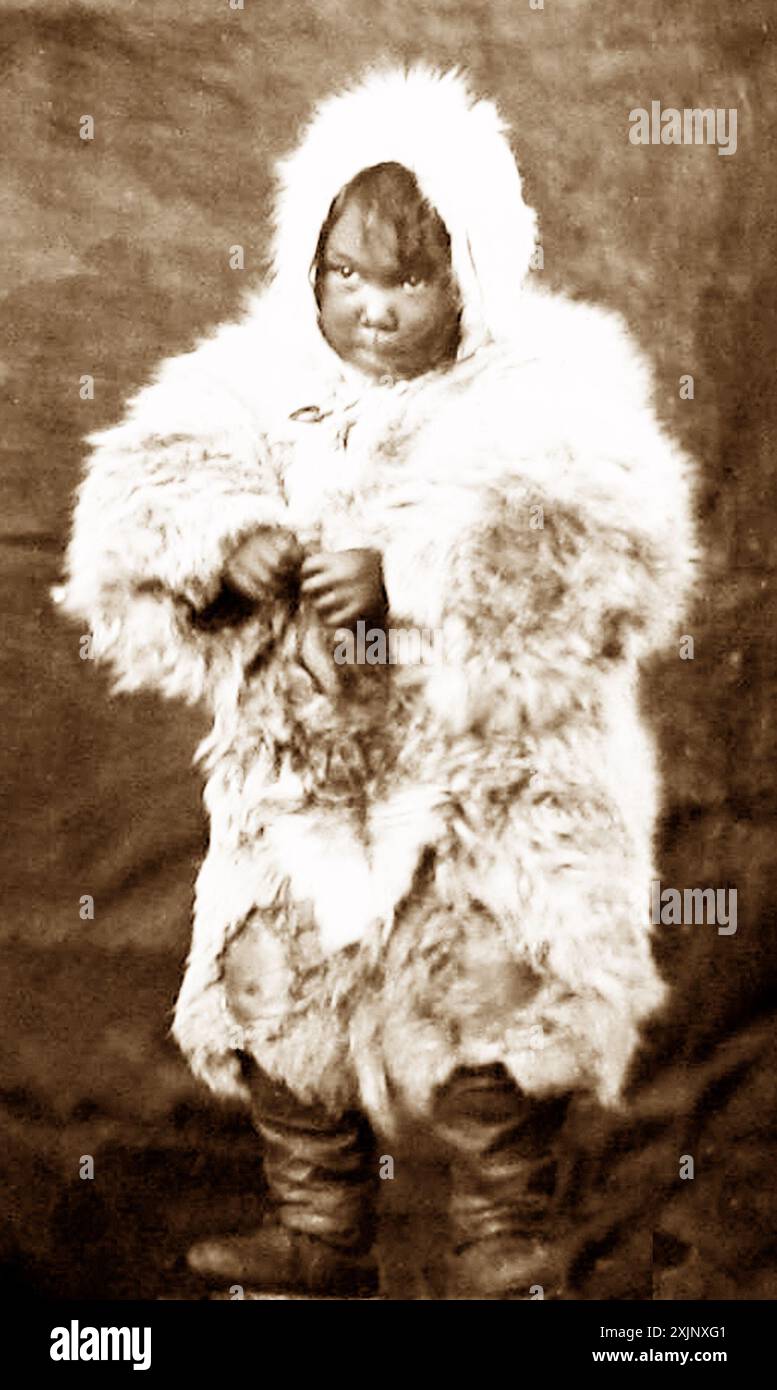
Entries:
{"x":427,"y":882}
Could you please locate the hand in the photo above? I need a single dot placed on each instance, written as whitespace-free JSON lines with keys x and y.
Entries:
{"x":344,"y":585}
{"x":263,"y":562}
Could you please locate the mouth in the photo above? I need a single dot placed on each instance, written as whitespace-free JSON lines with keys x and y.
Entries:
{"x":377,"y":338}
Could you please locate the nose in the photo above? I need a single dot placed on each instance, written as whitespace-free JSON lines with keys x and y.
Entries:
{"x":377,"y":310}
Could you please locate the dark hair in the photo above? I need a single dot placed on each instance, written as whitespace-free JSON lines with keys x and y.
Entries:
{"x":390,"y":192}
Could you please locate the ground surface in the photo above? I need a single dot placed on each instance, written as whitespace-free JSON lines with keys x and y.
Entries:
{"x":117,"y":253}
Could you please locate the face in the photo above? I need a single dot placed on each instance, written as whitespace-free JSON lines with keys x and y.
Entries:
{"x":381,"y":320}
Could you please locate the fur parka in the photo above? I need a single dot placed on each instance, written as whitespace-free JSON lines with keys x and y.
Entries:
{"x":435,"y":862}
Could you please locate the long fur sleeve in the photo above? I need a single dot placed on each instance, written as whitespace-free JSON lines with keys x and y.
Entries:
{"x":168,"y":494}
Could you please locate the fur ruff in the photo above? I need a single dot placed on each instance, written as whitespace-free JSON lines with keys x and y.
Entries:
{"x":429,"y":865}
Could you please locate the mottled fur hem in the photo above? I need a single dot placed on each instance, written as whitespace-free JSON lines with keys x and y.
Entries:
{"x":384,"y":1052}
{"x":543,"y":965}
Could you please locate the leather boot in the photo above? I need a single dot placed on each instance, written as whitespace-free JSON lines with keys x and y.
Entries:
{"x":499,"y":1143}
{"x":321,"y":1178}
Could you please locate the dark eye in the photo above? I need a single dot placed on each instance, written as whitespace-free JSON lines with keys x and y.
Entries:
{"x":344,"y":271}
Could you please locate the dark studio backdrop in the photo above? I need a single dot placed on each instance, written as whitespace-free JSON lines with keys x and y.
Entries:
{"x":116,"y":253}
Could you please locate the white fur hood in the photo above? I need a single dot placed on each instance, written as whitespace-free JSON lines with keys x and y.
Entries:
{"x":456,"y":145}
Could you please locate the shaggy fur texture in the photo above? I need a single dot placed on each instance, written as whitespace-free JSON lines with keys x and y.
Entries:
{"x":413,"y":866}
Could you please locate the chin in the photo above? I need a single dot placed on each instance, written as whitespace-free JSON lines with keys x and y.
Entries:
{"x":373,"y":366}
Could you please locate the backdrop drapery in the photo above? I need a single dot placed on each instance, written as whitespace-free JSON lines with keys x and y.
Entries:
{"x":117,"y":252}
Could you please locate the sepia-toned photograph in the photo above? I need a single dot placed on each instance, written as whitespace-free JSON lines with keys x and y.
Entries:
{"x":389,"y":866}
